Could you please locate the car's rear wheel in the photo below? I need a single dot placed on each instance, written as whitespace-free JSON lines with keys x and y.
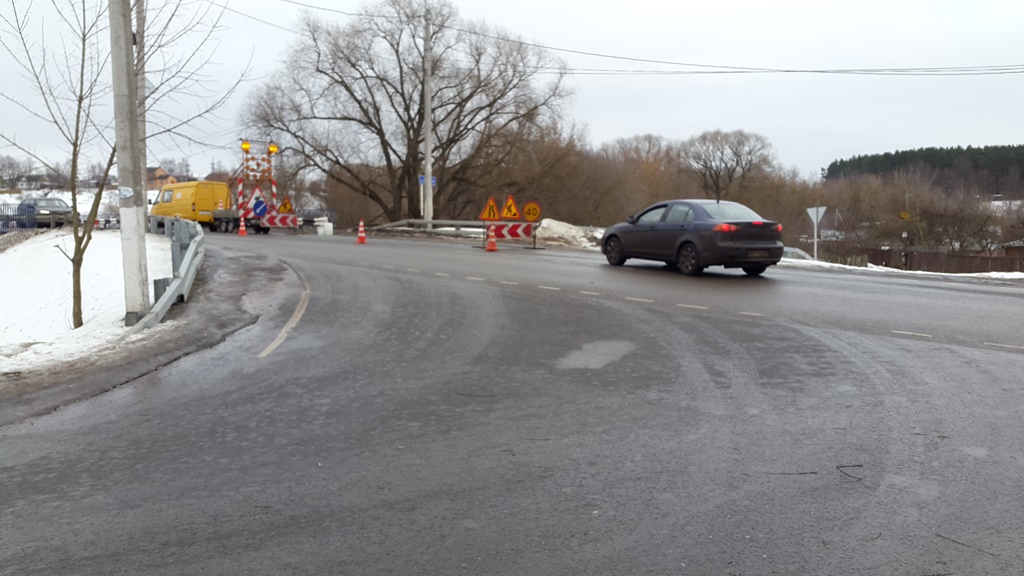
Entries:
{"x":754,"y":270}
{"x":688,"y":260}
{"x":613,"y":251}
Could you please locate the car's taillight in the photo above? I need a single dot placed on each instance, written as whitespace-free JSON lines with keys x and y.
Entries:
{"x":723,"y":227}
{"x":193,"y":206}
{"x":777,"y":228}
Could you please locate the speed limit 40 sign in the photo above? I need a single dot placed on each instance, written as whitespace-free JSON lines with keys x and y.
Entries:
{"x":531,"y":211}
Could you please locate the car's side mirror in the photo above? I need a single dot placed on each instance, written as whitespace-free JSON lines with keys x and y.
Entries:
{"x":631,"y":219}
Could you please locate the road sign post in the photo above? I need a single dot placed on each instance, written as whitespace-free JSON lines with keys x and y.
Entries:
{"x":816,"y":213}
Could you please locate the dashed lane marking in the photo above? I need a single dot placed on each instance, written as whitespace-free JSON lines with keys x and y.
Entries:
{"x":912,"y":334}
{"x":1010,"y":346}
{"x":631,"y":299}
{"x":304,"y":302}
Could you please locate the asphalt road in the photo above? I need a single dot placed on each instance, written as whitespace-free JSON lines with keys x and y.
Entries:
{"x":427,"y":407}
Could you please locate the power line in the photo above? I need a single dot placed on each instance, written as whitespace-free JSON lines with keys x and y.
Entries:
{"x":702,"y":69}
{"x":727,"y":69}
{"x":335,"y":10}
{"x":251,"y":17}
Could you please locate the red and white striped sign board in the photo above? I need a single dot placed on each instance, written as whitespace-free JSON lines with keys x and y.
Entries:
{"x":513,"y":231}
{"x":281,"y":221}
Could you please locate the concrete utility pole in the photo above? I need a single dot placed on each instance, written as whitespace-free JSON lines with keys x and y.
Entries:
{"x":428,"y":124}
{"x":129,"y":173}
{"x":140,"y":85}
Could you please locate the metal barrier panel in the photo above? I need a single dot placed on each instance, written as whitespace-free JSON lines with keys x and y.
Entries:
{"x":11,"y":217}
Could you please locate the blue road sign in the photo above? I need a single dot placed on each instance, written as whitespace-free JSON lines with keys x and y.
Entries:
{"x":423,"y":180}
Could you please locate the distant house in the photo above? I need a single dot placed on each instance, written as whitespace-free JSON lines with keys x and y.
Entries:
{"x":1014,"y":249}
{"x":157,"y":177}
{"x":34,"y":182}
{"x":96,"y":182}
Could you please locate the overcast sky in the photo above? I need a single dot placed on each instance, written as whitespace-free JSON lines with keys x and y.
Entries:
{"x":811,"y":119}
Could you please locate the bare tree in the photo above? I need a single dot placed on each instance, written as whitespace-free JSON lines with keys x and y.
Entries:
{"x":12,"y":170}
{"x":179,"y":50}
{"x":350,"y":103}
{"x":722,"y":161}
{"x":70,"y":85}
{"x":68,"y":99}
{"x":653,"y":168}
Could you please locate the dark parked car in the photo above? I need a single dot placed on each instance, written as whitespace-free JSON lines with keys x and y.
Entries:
{"x":43,"y":212}
{"x":695,"y":234}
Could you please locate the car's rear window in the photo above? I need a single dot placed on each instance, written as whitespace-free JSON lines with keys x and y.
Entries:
{"x":51,"y":202}
{"x":730,"y":211}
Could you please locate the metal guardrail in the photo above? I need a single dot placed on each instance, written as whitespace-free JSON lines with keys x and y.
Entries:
{"x":188,"y":250}
{"x":457,"y":224}
{"x":451,"y":227}
{"x":310,"y":215}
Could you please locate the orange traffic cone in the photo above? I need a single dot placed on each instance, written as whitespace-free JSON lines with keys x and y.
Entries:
{"x":492,"y":242}
{"x":241,"y":227}
{"x":361,"y":239}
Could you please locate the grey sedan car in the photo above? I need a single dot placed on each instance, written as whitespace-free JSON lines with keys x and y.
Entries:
{"x":43,"y":212}
{"x":695,"y":234}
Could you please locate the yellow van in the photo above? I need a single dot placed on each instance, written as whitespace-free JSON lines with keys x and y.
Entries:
{"x":192,"y":201}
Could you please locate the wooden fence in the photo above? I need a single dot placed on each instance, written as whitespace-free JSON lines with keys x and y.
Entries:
{"x":945,"y":263}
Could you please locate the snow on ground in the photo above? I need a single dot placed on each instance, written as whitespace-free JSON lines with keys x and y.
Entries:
{"x":36,"y":289}
{"x":556,"y":232}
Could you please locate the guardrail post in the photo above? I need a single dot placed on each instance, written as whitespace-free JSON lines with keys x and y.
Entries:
{"x":172,"y":228}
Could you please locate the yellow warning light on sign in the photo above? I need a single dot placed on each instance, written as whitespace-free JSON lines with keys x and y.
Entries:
{"x":490,"y":211}
{"x":510,"y":211}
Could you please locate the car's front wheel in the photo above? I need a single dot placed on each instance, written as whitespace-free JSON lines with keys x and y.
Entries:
{"x":688,"y":260}
{"x":613,"y":252}
{"x":754,"y":270}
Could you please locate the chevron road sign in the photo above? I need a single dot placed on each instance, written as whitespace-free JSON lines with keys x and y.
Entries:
{"x":281,"y":221}
{"x":513,"y":231}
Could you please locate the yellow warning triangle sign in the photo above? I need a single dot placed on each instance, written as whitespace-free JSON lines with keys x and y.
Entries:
{"x":510,"y":212}
{"x":490,"y":211}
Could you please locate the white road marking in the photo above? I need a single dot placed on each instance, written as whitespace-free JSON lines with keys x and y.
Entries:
{"x":750,"y":314}
{"x":474,"y":278}
{"x":590,"y":293}
{"x":911,"y":334}
{"x":548,"y":288}
{"x":296,"y":316}
{"x":388,"y":266}
{"x":1011,"y":346}
{"x":692,"y":306}
{"x":411,"y":270}
{"x":630,"y":298}
{"x":441,"y":274}
{"x":510,"y":283}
